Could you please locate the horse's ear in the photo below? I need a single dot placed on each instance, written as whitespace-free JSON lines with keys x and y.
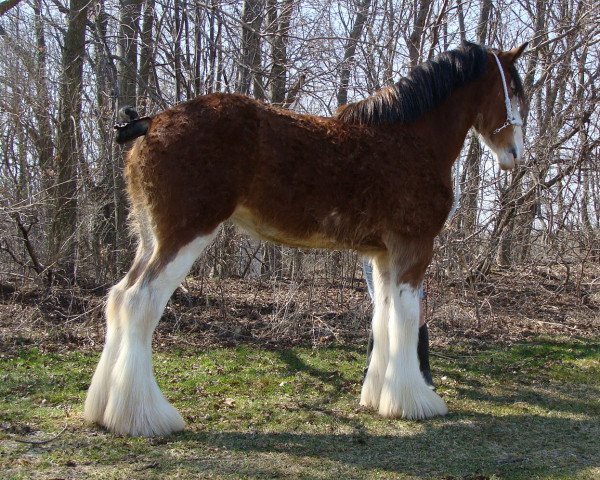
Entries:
{"x":515,"y":53}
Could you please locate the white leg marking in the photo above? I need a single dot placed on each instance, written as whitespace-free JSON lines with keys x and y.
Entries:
{"x":97,"y":396}
{"x":134,"y":403}
{"x":405,"y":393}
{"x":371,"y":389}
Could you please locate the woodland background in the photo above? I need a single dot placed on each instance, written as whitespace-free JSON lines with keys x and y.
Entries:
{"x":66,"y":67}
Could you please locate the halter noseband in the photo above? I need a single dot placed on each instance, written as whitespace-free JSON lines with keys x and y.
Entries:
{"x":510,"y":119}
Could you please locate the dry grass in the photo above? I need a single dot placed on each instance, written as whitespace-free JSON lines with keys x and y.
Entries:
{"x":510,"y":306}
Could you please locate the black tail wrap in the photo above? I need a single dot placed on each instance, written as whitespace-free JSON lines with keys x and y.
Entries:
{"x":131,"y":130}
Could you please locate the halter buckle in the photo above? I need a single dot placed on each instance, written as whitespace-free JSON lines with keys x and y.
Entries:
{"x":508,"y":123}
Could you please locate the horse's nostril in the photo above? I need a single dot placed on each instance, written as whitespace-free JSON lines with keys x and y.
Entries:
{"x":513,"y":152}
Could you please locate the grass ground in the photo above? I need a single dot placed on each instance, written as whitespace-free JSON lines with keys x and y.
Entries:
{"x":529,"y":410}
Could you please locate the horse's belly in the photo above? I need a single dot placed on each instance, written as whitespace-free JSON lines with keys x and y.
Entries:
{"x":251,"y":224}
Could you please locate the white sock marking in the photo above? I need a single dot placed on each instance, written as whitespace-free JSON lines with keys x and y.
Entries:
{"x":371,"y":389}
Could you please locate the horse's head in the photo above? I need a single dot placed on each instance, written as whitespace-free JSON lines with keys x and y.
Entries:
{"x":499,"y":123}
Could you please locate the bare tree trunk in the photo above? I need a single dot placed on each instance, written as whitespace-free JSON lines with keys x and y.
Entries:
{"x":587,"y":162}
{"x":212,"y":82}
{"x":250,"y":58}
{"x":145,"y":90}
{"x":471,"y":182}
{"x":176,"y":34}
{"x":104,"y":237}
{"x":461,"y":20}
{"x":44,"y":141}
{"x":472,"y":165}
{"x":350,"y":49}
{"x":484,"y":18}
{"x":226,"y":264}
{"x":127,"y":69}
{"x":199,"y":58}
{"x":415,"y":41}
{"x":68,"y":149}
{"x":128,"y":51}
{"x":280,"y":24}
{"x":505,"y":254}
{"x":391,"y":41}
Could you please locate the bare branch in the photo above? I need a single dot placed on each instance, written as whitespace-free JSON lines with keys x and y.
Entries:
{"x":6,"y":5}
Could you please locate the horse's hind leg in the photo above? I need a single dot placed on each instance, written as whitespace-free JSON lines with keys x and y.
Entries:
{"x":97,"y":396}
{"x":135,"y":405}
{"x":371,"y":389}
{"x":405,"y":393}
{"x":124,"y":396}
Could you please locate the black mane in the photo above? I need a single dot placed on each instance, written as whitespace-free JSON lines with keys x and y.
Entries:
{"x":425,"y":87}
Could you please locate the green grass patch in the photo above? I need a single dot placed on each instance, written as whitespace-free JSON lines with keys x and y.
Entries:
{"x":526,"y":411}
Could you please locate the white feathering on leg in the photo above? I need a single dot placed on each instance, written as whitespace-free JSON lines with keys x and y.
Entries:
{"x":373,"y":382}
{"x":135,"y":405}
{"x":405,"y":393}
{"x":97,"y":396}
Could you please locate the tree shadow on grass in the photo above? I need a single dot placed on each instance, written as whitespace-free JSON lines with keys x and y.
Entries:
{"x":466,"y":446}
{"x":515,"y":446}
{"x":556,"y":434}
{"x":524,"y":374}
{"x":295,"y":364}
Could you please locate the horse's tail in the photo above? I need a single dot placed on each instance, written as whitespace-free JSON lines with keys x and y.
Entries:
{"x":132,"y":126}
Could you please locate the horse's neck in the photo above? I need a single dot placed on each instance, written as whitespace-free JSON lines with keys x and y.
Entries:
{"x":451,"y":121}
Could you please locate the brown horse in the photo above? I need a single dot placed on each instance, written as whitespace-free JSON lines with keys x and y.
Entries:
{"x":375,"y":179}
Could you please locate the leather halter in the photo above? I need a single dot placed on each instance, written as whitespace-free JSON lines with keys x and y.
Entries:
{"x":510,"y":118}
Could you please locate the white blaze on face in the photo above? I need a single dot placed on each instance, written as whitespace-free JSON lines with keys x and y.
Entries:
{"x":509,"y":155}
{"x":517,"y":129}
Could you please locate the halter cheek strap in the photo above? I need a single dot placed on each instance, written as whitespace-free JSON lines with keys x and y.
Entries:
{"x":510,"y":118}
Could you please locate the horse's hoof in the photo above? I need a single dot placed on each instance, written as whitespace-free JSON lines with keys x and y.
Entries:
{"x":412,"y":402}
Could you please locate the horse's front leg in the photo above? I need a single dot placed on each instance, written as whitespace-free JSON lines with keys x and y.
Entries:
{"x":405,"y":393}
{"x":371,"y":389}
